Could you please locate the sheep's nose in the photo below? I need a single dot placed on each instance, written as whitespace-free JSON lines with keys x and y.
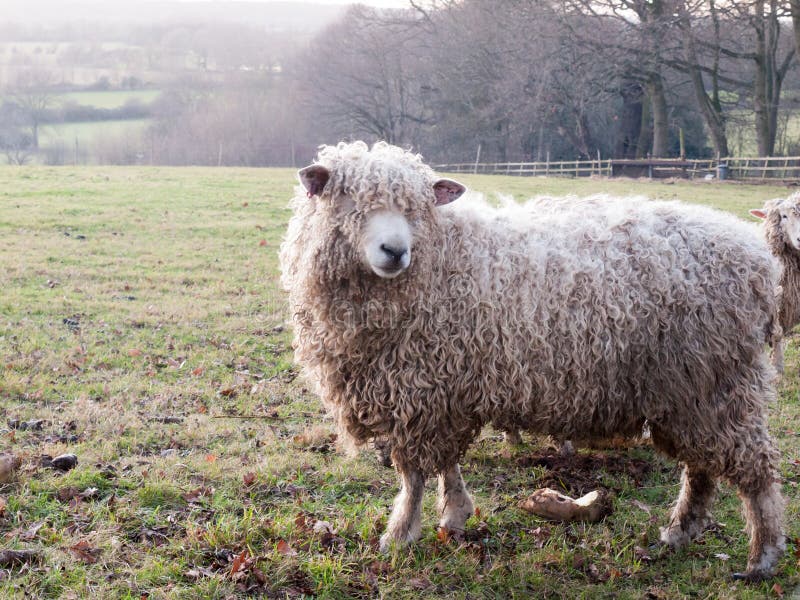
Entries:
{"x":394,"y":253}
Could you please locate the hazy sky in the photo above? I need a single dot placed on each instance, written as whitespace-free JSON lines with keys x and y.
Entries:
{"x":382,"y":3}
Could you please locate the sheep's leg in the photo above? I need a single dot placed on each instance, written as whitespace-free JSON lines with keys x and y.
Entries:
{"x":404,"y":524}
{"x":763,"y":511}
{"x":777,"y":356}
{"x":758,"y":485}
{"x":454,"y":502}
{"x":692,"y":513}
{"x":747,"y":458}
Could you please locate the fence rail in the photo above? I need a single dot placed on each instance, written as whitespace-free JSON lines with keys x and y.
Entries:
{"x":739,"y":168}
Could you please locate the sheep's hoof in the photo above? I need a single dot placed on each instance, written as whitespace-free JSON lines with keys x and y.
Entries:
{"x":753,"y":576}
{"x":388,"y":540}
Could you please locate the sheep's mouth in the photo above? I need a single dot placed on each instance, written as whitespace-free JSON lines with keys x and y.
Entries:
{"x":389,"y":271}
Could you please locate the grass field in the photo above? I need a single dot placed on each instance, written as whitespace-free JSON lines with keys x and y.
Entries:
{"x":110,"y":98}
{"x":89,"y":131}
{"x":142,"y":323}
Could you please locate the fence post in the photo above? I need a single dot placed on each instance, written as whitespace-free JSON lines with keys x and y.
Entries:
{"x":477,"y":158}
{"x":547,"y":164}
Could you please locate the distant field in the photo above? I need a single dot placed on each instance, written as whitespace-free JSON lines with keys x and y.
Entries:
{"x":109,"y":99}
{"x":89,"y":133}
{"x":141,"y":319}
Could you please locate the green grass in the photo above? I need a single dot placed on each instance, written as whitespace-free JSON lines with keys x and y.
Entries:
{"x":108,"y":99}
{"x":88,"y":132}
{"x":135,"y":294}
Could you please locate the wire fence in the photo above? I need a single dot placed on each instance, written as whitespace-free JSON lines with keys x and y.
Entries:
{"x":770,"y":168}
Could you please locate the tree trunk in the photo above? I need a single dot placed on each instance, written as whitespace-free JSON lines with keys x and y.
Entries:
{"x":645,"y":130}
{"x":630,"y":122}
{"x":658,"y":104}
{"x":795,"y":9}
{"x":710,"y":107}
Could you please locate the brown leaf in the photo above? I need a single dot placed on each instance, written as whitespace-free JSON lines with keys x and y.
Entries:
{"x":443,"y":535}
{"x":420,"y":583}
{"x":134,"y":352}
{"x":30,"y":533}
{"x":300,"y":522}
{"x":239,"y":561}
{"x":211,"y":458}
{"x":262,"y":243}
{"x":284,"y":548}
{"x":195,"y":494}
{"x":249,"y":478}
{"x":777,"y":590}
{"x":8,"y":466}
{"x":10,"y":558}
{"x":380,"y":567}
{"x":85,"y":552}
{"x":197,"y":371}
{"x":259,"y":575}
{"x":228,"y":392}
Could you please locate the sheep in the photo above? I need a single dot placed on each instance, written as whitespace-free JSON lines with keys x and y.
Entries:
{"x":418,"y":321}
{"x":782,"y":230}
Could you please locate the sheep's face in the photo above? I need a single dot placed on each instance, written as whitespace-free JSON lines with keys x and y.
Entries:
{"x":784,"y":217}
{"x":387,"y":230}
{"x":386,"y":242}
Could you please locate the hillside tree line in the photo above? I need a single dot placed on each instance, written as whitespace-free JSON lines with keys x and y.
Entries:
{"x":507,"y":80}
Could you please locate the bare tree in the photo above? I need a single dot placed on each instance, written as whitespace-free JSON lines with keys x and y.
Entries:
{"x":33,"y":94}
{"x":361,"y":75}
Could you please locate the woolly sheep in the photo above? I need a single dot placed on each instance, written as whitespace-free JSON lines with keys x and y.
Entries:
{"x":418,"y":323}
{"x":782,"y":230}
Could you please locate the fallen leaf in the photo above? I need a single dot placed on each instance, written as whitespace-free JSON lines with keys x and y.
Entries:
{"x":211,"y":458}
{"x":249,"y":478}
{"x":262,"y":243}
{"x":238,"y":562}
{"x":195,"y":494}
{"x":284,"y":548}
{"x":300,"y":522}
{"x":30,"y":533}
{"x":64,"y":462}
{"x":419,"y":583}
{"x":228,"y":392}
{"x":8,"y":466}
{"x":323,"y":527}
{"x":10,"y":558}
{"x":641,"y":506}
{"x":379,"y":567}
{"x":85,"y":552}
{"x":777,"y":590}
{"x":134,"y":352}
{"x":197,"y":371}
{"x":443,"y":535}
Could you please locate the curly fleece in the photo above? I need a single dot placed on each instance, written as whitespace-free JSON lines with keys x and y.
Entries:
{"x":580,"y":320}
{"x":789,"y":257}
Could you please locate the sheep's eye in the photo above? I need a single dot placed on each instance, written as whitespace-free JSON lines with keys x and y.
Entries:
{"x":784,"y":216}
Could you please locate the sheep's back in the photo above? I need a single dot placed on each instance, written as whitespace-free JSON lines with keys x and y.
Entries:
{"x":612,"y":311}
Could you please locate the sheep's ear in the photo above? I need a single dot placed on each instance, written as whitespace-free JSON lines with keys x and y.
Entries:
{"x":757,"y":212}
{"x":314,"y":178}
{"x":447,"y":190}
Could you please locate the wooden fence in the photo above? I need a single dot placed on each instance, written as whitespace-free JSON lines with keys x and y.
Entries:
{"x":739,"y":168}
